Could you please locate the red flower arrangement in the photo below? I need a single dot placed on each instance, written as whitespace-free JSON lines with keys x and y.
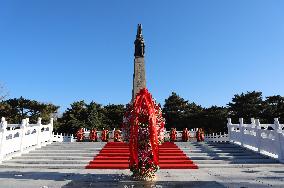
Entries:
{"x":146,"y":127}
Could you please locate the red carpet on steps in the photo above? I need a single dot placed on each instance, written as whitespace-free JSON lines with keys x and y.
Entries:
{"x":115,"y":155}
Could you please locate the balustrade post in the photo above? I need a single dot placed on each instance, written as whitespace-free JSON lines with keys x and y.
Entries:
{"x":113,"y":133}
{"x":51,"y":130}
{"x":72,"y":138}
{"x":3,"y":131}
{"x":241,"y":135}
{"x":258,"y":135}
{"x":39,"y":134}
{"x":279,"y":140}
{"x":229,"y":126}
{"x":23,"y":133}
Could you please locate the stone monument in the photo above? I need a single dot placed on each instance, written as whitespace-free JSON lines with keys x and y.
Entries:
{"x":139,"y":79}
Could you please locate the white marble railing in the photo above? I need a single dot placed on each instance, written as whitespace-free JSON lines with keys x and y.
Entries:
{"x":267,"y":139}
{"x":56,"y":137}
{"x":16,"y":139}
{"x":216,"y":137}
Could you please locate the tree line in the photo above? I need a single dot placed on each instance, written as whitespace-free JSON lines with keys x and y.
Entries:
{"x":177,"y":111}
{"x":180,"y":113}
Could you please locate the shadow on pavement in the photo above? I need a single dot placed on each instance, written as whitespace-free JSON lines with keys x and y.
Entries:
{"x":137,"y":184}
{"x":77,"y":180}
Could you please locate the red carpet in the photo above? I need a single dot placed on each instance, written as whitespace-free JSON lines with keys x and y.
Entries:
{"x":115,"y":155}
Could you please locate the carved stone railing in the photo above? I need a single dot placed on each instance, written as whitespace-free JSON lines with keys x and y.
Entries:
{"x":267,"y":139}
{"x":16,"y":139}
{"x":216,"y":137}
{"x":56,"y":137}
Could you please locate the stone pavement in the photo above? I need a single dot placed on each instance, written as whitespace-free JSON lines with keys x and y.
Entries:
{"x":205,"y":177}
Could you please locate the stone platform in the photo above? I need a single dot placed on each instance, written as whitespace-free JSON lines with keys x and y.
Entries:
{"x":63,"y":165}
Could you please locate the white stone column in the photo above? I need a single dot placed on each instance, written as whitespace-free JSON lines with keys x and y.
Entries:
{"x":51,"y":130}
{"x":22,"y":134}
{"x":39,"y":134}
{"x":241,"y":135}
{"x":279,"y":140}
{"x":229,"y":126}
{"x":258,"y":135}
{"x":3,"y":132}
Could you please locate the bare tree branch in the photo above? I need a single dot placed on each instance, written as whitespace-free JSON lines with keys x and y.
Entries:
{"x":3,"y":92}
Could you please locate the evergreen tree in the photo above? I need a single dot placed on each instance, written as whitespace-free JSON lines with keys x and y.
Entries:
{"x":215,"y":119}
{"x":14,"y":110}
{"x":249,"y":105}
{"x":73,"y":118}
{"x":174,"y":111}
{"x":95,"y":116}
{"x":193,"y":117}
{"x":273,"y":108}
{"x":114,"y":115}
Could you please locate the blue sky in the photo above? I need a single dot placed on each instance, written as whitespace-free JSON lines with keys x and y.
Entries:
{"x":61,"y":51}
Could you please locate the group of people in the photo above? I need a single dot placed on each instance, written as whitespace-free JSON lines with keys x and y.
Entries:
{"x":186,"y":135}
{"x":93,"y":135}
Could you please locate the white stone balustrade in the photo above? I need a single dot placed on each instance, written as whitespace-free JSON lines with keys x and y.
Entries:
{"x":267,"y":139}
{"x":216,"y":137}
{"x":16,"y":139}
{"x":56,"y":137}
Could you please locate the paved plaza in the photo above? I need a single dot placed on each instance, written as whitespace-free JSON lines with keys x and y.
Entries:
{"x":267,"y":176}
{"x":63,"y":165}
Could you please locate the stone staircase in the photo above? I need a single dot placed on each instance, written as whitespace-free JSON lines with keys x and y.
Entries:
{"x":57,"y":155}
{"x":79,"y":154}
{"x":223,"y":155}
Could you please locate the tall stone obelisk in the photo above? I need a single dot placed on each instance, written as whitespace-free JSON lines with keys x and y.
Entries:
{"x":139,"y":79}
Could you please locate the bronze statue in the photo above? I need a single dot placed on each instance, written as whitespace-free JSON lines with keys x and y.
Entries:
{"x":139,"y":43}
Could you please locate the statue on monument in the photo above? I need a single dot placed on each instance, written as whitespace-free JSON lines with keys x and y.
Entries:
{"x":139,"y":43}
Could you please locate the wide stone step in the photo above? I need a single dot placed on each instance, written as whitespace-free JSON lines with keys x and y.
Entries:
{"x":215,"y":146}
{"x":64,"y":151}
{"x":96,"y":146}
{"x":226,"y":157}
{"x":219,"y":154}
{"x":235,"y":161}
{"x":76,"y":144}
{"x":268,"y":165}
{"x":54,"y":157}
{"x":42,"y":161}
{"x":43,"y":166}
{"x":204,"y":143}
{"x":67,"y":149}
{"x":61,"y":154}
{"x":212,"y":149}
{"x":216,"y":151}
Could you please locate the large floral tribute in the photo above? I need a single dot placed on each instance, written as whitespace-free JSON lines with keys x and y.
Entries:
{"x":143,"y":128}
{"x":160,"y":123}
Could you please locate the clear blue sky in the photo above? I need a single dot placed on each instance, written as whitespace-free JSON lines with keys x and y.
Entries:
{"x":61,"y":51}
